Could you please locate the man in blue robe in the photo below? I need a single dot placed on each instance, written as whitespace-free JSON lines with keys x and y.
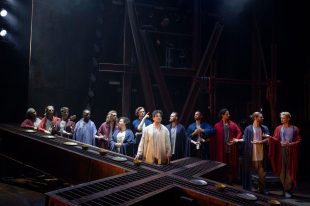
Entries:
{"x":138,"y":125}
{"x":85,"y":129}
{"x":254,"y":158}
{"x":199,"y":133}
{"x":178,"y":138}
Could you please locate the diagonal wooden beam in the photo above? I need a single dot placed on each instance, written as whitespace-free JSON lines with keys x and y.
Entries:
{"x":142,"y":64}
{"x":202,"y":70}
{"x":157,"y":74}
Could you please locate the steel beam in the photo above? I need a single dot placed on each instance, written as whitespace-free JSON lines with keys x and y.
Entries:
{"x":202,"y":70}
{"x":157,"y":74}
{"x":142,"y":64}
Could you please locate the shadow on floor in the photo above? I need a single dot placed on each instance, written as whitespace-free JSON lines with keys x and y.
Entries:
{"x":16,"y":196}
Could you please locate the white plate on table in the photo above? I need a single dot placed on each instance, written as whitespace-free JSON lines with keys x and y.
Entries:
{"x":198,"y":182}
{"x":71,"y":143}
{"x":30,"y":130}
{"x":119,"y":159}
{"x":49,"y":136}
{"x":247,"y":196}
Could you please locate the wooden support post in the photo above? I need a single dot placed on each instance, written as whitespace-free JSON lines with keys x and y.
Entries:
{"x":143,"y":70}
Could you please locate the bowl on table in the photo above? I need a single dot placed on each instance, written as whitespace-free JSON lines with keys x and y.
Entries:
{"x":220,"y":186}
{"x":274,"y":202}
{"x":137,"y":162}
{"x":103,"y":152}
{"x":84,"y":146}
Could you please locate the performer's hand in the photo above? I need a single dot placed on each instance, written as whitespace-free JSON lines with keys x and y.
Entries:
{"x":231,"y":142}
{"x":137,"y":157}
{"x":195,"y":132}
{"x":234,"y":140}
{"x":201,"y":130}
{"x":266,"y":136}
{"x":105,"y":138}
{"x":47,"y":132}
{"x":118,"y":144}
{"x":205,"y":140}
{"x":147,"y":115}
{"x":284,"y":144}
{"x":193,"y":142}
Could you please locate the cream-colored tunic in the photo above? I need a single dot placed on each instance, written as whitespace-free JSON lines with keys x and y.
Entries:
{"x":155,"y":145}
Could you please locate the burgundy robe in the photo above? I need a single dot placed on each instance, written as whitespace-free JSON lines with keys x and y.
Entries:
{"x":275,"y":154}
{"x":217,"y":146}
{"x":69,"y":127}
{"x":42,"y":124}
{"x":104,"y":129}
{"x":27,"y":123}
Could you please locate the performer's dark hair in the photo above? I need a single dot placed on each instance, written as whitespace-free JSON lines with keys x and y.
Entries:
{"x":222,"y":112}
{"x":156,"y":112}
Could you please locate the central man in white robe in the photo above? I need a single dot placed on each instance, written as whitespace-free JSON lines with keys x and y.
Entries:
{"x":155,"y":146}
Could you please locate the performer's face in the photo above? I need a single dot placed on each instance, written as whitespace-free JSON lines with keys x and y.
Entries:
{"x":260,"y":118}
{"x":173,"y":117}
{"x":86,"y":115}
{"x":157,"y":118}
{"x":141,"y":113}
{"x":226,"y":115}
{"x":198,"y":116}
{"x":33,"y":114}
{"x":284,"y":119}
{"x":50,"y":110}
{"x":121,"y":123}
{"x":65,"y":114}
{"x":113,"y":116}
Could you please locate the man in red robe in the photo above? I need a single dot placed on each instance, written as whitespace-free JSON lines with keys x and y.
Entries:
{"x":223,"y":147}
{"x":48,"y":123}
{"x":283,"y":153}
{"x":31,"y":121}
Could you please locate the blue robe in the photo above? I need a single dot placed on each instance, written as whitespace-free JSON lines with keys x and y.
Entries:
{"x":135,"y":125}
{"x":247,"y":156}
{"x":203,"y":152}
{"x":127,"y":145}
{"x":182,"y":142}
{"x":85,"y":132}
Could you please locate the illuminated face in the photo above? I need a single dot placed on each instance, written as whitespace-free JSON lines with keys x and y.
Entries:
{"x":86,"y":114}
{"x":65,"y":114}
{"x":33,"y":114}
{"x":50,"y":110}
{"x":284,"y":119}
{"x":121,"y":123}
{"x":226,"y":115}
{"x":141,"y":112}
{"x":157,"y":118}
{"x":259,"y":118}
{"x":173,"y":117}
{"x":198,"y":116}
{"x":114,"y":116}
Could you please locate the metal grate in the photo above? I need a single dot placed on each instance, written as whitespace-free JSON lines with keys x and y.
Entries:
{"x":90,"y":189}
{"x":229,"y":194}
{"x":132,"y":193}
{"x":174,"y":165}
{"x":192,"y":171}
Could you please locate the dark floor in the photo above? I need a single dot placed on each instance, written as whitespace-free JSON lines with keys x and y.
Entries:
{"x":22,"y":185}
{"x":301,"y":195}
{"x":17,"y":196}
